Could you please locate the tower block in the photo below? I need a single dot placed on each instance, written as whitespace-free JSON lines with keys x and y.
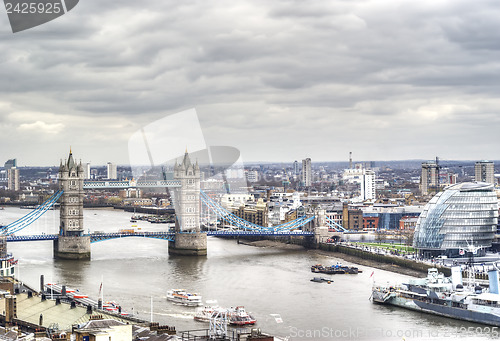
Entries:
{"x":189,"y":241}
{"x":71,"y":243}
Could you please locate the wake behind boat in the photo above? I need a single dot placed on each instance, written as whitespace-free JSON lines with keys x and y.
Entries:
{"x":181,"y":296}
{"x":235,"y":316}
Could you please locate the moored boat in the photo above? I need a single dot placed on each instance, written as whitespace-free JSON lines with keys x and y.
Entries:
{"x":336,"y":269}
{"x":444,"y":296}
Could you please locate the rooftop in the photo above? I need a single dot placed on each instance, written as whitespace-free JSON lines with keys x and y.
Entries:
{"x":471,"y":186}
{"x":30,"y":309}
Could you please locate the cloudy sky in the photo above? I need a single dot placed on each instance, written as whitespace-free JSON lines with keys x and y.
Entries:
{"x":279,"y":80}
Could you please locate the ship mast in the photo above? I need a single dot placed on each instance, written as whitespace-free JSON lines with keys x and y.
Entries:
{"x":471,"y":270}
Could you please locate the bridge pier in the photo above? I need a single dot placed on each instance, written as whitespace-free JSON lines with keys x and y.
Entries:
{"x":72,"y":247}
{"x":188,"y":244}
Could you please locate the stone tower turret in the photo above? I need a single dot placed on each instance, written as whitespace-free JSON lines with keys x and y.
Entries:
{"x":71,"y":243}
{"x":188,"y":238}
{"x":187,"y":198}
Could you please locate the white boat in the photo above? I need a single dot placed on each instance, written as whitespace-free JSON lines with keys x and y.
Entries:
{"x":239,"y":317}
{"x":235,"y":316}
{"x":183,"y":297}
{"x":206,"y":313}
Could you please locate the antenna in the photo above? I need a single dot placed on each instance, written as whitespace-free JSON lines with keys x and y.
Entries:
{"x":350,"y":160}
{"x":437,"y":170}
{"x":151,"y":308}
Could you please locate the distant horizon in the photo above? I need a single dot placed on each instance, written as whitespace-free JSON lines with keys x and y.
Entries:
{"x":274,"y":162}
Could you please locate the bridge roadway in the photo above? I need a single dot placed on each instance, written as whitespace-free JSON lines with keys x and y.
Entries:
{"x":98,"y":237}
{"x":107,"y":184}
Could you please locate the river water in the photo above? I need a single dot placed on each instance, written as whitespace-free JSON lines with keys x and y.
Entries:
{"x":269,"y":282}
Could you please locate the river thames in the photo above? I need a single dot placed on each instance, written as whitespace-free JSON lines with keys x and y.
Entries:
{"x":273,"y":284}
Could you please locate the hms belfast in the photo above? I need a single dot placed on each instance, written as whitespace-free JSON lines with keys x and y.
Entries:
{"x":440,"y":295}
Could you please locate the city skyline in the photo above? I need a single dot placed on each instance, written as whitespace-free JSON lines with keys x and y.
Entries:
{"x":279,"y":81}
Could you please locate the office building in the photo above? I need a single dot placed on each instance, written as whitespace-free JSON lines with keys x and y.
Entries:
{"x":252,"y":175}
{"x":86,"y":171}
{"x":306,"y":172}
{"x":463,"y":215}
{"x":111,"y":171}
{"x":232,"y":201}
{"x":485,"y":171}
{"x":255,"y":213}
{"x":296,"y":168}
{"x":10,"y":163}
{"x":354,"y":175}
{"x":429,"y":180}
{"x":408,"y":223}
{"x":368,"y":185}
{"x":370,"y":221}
{"x":13,"y":179}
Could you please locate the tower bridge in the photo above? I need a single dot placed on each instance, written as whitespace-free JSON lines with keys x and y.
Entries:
{"x":186,"y":239}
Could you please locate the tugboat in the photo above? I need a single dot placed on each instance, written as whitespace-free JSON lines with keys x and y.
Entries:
{"x":180,"y":296}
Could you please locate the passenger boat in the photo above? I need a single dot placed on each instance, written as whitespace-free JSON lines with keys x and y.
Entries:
{"x":235,"y":316}
{"x":447,"y":297}
{"x":181,"y":296}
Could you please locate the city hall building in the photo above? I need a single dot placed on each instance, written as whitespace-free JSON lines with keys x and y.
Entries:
{"x":463,"y":214}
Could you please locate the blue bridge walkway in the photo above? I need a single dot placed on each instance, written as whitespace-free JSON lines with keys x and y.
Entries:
{"x":99,"y":237}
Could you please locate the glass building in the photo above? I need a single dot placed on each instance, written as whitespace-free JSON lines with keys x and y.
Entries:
{"x":462,"y":215}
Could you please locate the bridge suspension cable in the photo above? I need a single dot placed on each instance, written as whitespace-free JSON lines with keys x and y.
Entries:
{"x":334,"y":225}
{"x":238,"y":222}
{"x":215,"y":207}
{"x":31,"y":217}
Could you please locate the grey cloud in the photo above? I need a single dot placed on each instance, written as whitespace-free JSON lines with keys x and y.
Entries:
{"x":258,"y":69}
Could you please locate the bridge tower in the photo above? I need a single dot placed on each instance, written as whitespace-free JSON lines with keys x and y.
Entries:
{"x":71,"y":243}
{"x":189,"y":241}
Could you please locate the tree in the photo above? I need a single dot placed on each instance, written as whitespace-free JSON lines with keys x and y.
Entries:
{"x":379,"y":236}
